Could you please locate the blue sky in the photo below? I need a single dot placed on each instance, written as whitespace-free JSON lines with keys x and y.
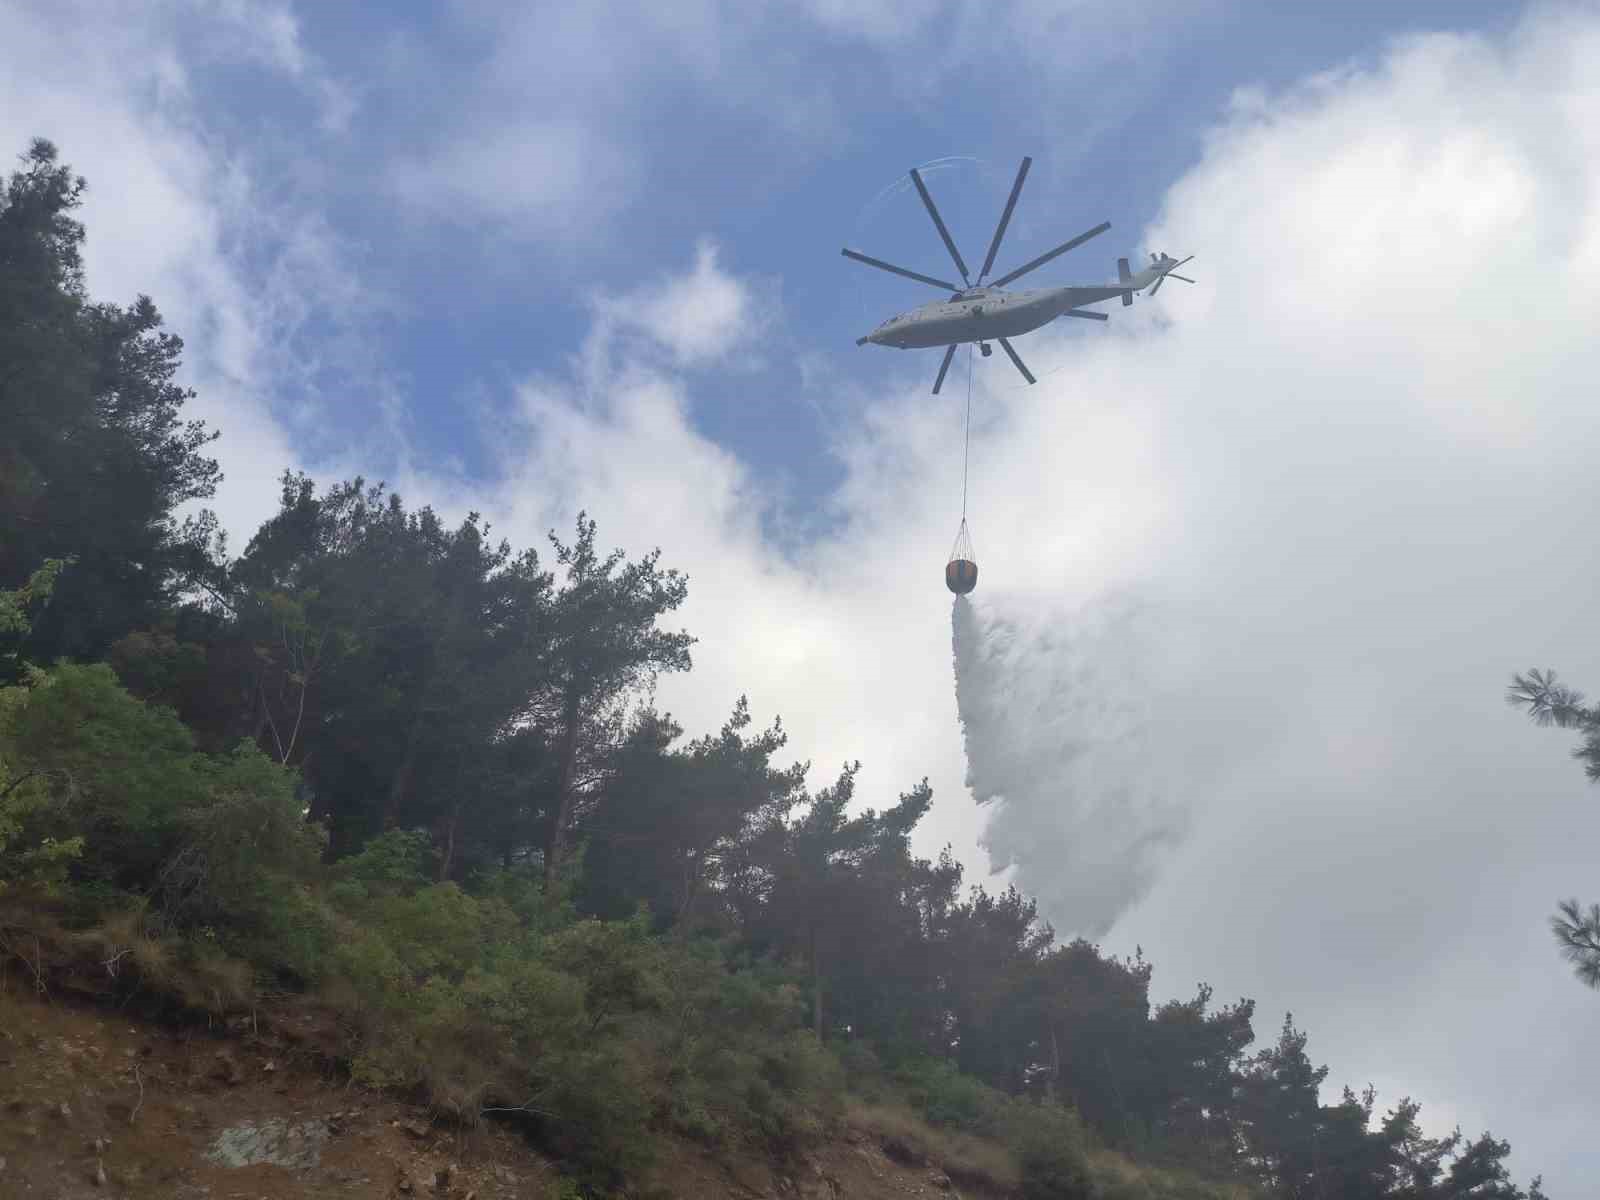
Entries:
{"x":1258,"y":555}
{"x":1111,"y":116}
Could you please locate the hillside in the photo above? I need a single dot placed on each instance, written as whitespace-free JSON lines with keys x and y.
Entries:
{"x":98,"y":1104}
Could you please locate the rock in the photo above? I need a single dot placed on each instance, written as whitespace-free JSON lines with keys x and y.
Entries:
{"x":226,"y":1068}
{"x":903,"y":1152}
{"x":411,"y":1180}
{"x":416,"y":1129}
{"x":941,"y":1181}
{"x":99,"y":1174}
{"x":276,"y":1141}
{"x":64,"y":1111}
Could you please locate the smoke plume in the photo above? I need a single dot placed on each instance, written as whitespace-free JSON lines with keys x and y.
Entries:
{"x":1060,"y":723}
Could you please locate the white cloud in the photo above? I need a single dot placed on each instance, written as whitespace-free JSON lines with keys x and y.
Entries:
{"x":556,"y":121}
{"x":545,"y":178}
{"x":1351,"y":471}
{"x":177,"y":211}
{"x":699,"y":318}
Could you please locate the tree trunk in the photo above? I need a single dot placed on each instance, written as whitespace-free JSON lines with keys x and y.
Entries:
{"x":317,"y":809}
{"x":816,"y":988}
{"x":447,"y":860}
{"x":1055,"y":1067}
{"x":401,"y":783}
{"x":568,"y":770}
{"x":691,"y":889}
{"x":263,"y":717}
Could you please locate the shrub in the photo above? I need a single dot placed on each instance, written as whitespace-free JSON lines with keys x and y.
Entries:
{"x":1050,"y":1148}
{"x":246,"y":865}
{"x":944,"y":1096}
{"x":394,"y":862}
{"x":112,"y":771}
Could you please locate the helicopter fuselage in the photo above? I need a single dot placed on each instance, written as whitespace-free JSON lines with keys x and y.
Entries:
{"x":982,"y":314}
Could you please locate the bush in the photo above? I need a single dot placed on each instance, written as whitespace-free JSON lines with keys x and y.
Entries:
{"x":392,"y":863}
{"x":1051,"y":1151}
{"x":196,"y":877}
{"x":246,"y":866}
{"x":109,"y":770}
{"x":944,"y":1096}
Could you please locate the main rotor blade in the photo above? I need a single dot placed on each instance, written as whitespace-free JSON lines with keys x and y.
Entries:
{"x":890,"y":267}
{"x":1006,"y":346}
{"x":1005,"y":217}
{"x":1185,"y":278}
{"x":1044,"y":258}
{"x":933,"y":212}
{"x":949,"y":353}
{"x":1086,"y":314}
{"x":1159,"y":281}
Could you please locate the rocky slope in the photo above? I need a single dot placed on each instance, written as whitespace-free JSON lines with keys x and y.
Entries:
{"x":95,"y":1105}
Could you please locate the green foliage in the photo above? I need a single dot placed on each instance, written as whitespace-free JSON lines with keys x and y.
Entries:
{"x":40,"y":862}
{"x":1577,"y":932}
{"x":14,"y":605}
{"x":246,"y":865}
{"x":945,"y":1096}
{"x":391,"y":863}
{"x":118,"y":774}
{"x":1050,"y":1148}
{"x":1550,"y":702}
{"x":603,"y":644}
{"x":95,"y":458}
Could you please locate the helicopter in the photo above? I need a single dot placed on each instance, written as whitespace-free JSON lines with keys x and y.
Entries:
{"x":985,"y":312}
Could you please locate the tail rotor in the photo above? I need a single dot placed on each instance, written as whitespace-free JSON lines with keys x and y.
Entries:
{"x":1161,"y":262}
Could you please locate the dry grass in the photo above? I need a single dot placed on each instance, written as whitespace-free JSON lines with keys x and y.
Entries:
{"x":119,"y":956}
{"x":966,"y":1158}
{"x":1120,"y":1178}
{"x":987,"y":1165}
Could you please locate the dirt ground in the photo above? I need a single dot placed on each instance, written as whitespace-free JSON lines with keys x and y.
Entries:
{"x":95,"y":1105}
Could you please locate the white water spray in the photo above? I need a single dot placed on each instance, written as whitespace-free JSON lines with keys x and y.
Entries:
{"x":1061,"y":739}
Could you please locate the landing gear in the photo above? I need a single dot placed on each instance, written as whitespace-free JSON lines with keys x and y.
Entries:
{"x":985,"y":349}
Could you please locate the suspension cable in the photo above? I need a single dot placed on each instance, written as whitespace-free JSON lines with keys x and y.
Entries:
{"x":966,"y":445}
